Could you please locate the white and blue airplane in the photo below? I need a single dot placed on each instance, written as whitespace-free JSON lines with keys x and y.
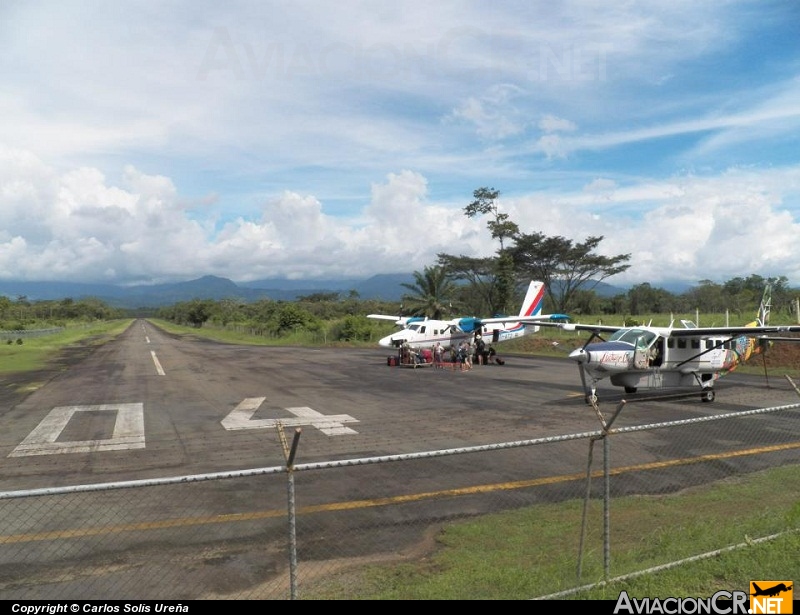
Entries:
{"x":422,"y":332}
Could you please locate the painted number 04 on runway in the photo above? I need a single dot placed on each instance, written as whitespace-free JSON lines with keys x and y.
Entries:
{"x":128,"y":427}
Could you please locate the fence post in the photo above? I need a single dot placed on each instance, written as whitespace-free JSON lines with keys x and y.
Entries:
{"x":292,"y":508}
{"x":606,"y":508}
{"x":586,"y":499}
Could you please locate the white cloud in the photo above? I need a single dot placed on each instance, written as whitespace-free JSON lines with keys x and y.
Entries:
{"x":688,"y":228}
{"x":551,"y":123}
{"x":494,"y":114}
{"x":154,"y":142}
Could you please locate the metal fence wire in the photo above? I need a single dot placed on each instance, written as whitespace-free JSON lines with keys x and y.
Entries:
{"x":271,"y":533}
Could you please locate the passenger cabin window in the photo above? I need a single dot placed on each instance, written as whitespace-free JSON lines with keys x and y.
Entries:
{"x":695,"y":343}
{"x":681,"y":343}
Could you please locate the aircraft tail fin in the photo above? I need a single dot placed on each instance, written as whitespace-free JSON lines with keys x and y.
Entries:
{"x":534,"y":300}
{"x":765,"y":306}
{"x":747,"y":346}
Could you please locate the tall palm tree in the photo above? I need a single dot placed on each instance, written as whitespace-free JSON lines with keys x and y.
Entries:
{"x":431,"y":293}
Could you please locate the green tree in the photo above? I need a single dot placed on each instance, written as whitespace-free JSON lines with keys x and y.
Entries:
{"x":564,"y":266}
{"x":291,"y":317}
{"x":355,"y":328}
{"x":430,"y":294}
{"x":479,"y":296}
{"x":198,"y":312}
{"x":502,"y":229}
{"x":5,"y":305}
{"x":707,"y":296}
{"x":485,"y":203}
{"x":646,"y":299}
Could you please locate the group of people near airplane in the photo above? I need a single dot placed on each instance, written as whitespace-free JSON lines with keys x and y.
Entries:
{"x":458,"y":356}
{"x":464,"y":355}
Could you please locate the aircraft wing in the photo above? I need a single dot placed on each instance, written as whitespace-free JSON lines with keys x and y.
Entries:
{"x":537,"y":319}
{"x":383,"y":317}
{"x":400,"y":321}
{"x":570,"y":326}
{"x":770,"y":338}
{"x":758,"y":331}
{"x":755,"y":331}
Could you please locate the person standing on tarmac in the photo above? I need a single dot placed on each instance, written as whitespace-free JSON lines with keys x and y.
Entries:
{"x":466,"y":355}
{"x":454,"y":356}
{"x":438,"y":352}
{"x":480,"y":349}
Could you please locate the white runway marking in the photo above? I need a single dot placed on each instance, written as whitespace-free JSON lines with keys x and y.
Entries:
{"x":159,"y":369}
{"x":332,"y":425}
{"x":128,"y":432}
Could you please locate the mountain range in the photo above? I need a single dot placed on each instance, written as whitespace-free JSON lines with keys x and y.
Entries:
{"x":385,"y":287}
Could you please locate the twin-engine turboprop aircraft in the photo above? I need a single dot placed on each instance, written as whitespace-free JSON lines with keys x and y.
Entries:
{"x":422,"y":332}
{"x":645,"y":357}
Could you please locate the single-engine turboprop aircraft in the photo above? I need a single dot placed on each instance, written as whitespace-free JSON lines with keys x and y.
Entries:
{"x":644,"y":357}
{"x":422,"y":332}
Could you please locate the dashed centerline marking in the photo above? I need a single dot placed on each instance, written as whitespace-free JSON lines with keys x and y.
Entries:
{"x":159,"y":369}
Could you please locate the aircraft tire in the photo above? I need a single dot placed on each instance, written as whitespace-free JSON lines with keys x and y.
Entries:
{"x":590,"y":399}
{"x":630,"y":389}
{"x":707,"y":395}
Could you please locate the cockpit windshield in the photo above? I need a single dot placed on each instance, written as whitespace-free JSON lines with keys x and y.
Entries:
{"x":635,"y":337}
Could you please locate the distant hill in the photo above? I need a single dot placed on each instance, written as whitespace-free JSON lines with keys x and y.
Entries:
{"x":384,"y":287}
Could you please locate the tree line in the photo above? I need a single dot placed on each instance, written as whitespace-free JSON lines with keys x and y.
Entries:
{"x":21,"y":313}
{"x":330,"y":317}
{"x":458,"y":285}
{"x":454,"y":285}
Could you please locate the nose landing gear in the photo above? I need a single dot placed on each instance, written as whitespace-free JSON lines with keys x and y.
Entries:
{"x":707,"y":395}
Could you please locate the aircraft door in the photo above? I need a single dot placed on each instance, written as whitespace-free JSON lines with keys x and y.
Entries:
{"x":657,"y":352}
{"x":716,"y":354}
{"x":495,"y":335}
{"x":641,"y":354}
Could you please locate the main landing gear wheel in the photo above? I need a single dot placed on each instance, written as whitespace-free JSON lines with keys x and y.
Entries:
{"x":707,"y":395}
{"x":630,"y":389}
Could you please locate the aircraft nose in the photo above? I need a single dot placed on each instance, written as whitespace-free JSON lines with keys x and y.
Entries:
{"x":579,"y":355}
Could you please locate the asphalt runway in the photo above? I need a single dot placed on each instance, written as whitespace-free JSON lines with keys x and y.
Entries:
{"x":193,"y":406}
{"x":150,"y":405}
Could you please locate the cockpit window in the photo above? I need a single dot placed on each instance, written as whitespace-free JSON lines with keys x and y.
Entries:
{"x":635,"y":337}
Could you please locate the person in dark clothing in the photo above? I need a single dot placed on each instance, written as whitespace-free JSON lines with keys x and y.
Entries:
{"x":493,"y":355}
{"x":480,"y":350}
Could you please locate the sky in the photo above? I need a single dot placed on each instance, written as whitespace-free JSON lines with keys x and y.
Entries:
{"x":150,"y":142}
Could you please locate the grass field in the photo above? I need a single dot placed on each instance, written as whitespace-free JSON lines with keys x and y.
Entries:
{"x":35,"y":352}
{"x":532,"y":552}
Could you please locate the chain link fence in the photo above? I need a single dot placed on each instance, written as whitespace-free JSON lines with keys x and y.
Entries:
{"x":9,"y":335}
{"x":272,"y":533}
